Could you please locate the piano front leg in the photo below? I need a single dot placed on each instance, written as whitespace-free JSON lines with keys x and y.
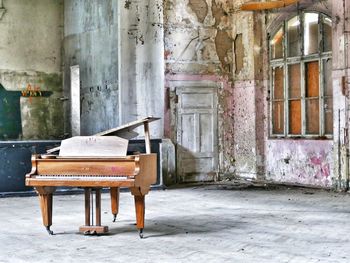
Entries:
{"x":114,"y":191}
{"x":139,"y":208}
{"x":45,"y":198}
{"x":140,"y":213}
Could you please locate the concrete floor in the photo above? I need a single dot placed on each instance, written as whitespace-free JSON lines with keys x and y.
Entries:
{"x":197,"y":224}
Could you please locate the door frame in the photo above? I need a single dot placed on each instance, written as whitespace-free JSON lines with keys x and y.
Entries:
{"x":174,"y":85}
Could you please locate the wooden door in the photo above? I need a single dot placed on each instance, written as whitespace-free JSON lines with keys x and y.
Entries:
{"x":197,"y":151}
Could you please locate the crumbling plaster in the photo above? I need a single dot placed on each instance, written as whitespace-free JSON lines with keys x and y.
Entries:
{"x":91,"y":41}
{"x":198,"y":46}
{"x":203,"y":47}
{"x":142,"y":62}
{"x":30,"y":52}
{"x":311,"y":162}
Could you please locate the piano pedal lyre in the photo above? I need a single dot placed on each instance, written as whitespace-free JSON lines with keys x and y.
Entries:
{"x":89,"y":228}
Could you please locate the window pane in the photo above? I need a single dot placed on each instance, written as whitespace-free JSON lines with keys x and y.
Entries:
{"x":278,"y":117}
{"x":312,"y":79}
{"x":277,"y":45}
{"x":327,"y":34}
{"x":311,"y":33}
{"x":327,"y":77}
{"x":293,"y":26}
{"x":312,"y":116}
{"x":278,"y":86}
{"x":294,"y":80}
{"x":328,"y":116}
{"x":295,"y":117}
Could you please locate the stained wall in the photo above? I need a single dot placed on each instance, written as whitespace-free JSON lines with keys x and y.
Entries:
{"x":142,"y":62}
{"x":198,"y":47}
{"x":30,"y":70}
{"x":91,"y":41}
{"x":214,"y":40}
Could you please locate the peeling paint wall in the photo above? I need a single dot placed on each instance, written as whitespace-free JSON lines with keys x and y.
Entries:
{"x":142,"y":62}
{"x":30,"y":54}
{"x":91,"y":41}
{"x":198,"y":46}
{"x":214,"y":40}
{"x":306,"y":162}
{"x":341,"y":88}
{"x":296,"y":161}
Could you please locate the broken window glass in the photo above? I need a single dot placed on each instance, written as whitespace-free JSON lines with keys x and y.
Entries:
{"x":277,"y":45}
{"x":278,"y":117}
{"x":293,"y":30}
{"x":302,"y":103}
{"x":311,"y":39}
{"x":278,"y":83}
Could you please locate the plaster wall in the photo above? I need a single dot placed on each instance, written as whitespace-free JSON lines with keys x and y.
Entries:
{"x":198,"y":46}
{"x":245,"y":153}
{"x":142,"y":62}
{"x":91,"y":41}
{"x":341,"y":87}
{"x":306,"y":162}
{"x":297,"y":161}
{"x":30,"y":54}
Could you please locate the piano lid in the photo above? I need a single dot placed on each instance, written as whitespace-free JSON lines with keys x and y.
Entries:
{"x":129,"y":127}
{"x":125,"y":131}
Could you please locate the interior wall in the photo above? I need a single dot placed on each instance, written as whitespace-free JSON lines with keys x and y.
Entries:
{"x":91,"y":41}
{"x":198,"y":47}
{"x":301,"y":161}
{"x":206,"y":40}
{"x":30,"y":70}
{"x":142,"y":62}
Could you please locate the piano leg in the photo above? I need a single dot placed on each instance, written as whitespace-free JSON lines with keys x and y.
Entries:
{"x":45,"y":198}
{"x":114,"y":201}
{"x":87,"y":193}
{"x":140,"y":213}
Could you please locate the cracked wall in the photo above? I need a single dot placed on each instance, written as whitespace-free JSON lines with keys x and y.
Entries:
{"x":91,"y":41}
{"x":298,"y":161}
{"x":198,"y":46}
{"x":142,"y":62}
{"x":31,"y":34}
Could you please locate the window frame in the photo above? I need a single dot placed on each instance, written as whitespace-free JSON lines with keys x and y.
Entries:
{"x":321,"y":57}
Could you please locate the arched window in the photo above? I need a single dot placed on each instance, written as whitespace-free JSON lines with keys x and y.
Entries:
{"x":301,"y":103}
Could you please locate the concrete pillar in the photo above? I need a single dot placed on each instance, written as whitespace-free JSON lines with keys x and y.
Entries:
{"x":341,"y":78}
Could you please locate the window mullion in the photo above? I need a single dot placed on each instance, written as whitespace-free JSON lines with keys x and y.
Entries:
{"x":286,"y":100}
{"x":285,"y":82}
{"x":272,"y":99}
{"x":302,"y":76}
{"x":320,"y":74}
{"x":321,"y":98}
{"x":302,"y":90}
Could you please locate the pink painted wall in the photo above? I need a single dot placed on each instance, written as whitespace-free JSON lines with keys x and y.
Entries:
{"x":307,"y":162}
{"x":245,"y":152}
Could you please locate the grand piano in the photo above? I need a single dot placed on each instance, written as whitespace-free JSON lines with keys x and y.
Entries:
{"x":93,"y":163}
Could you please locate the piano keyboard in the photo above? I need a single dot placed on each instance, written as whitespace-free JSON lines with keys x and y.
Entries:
{"x":82,"y":177}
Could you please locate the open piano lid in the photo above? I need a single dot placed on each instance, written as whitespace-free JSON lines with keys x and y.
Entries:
{"x":125,"y":131}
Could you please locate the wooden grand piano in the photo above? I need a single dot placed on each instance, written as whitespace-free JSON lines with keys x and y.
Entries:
{"x":77,"y":165}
